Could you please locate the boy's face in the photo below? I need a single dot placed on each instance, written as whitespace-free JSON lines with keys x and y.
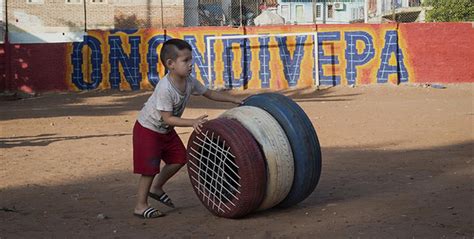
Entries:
{"x":182,"y":66}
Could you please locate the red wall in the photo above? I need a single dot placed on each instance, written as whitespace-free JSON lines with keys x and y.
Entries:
{"x":440,"y":52}
{"x":33,"y":67}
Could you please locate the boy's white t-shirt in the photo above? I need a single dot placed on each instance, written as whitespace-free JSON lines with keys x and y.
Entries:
{"x":166,"y":97}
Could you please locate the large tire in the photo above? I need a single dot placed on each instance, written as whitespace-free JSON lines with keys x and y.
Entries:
{"x":226,"y":168}
{"x":276,"y":149}
{"x":303,"y":140}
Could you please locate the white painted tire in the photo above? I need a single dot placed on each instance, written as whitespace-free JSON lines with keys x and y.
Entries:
{"x":276,"y":149}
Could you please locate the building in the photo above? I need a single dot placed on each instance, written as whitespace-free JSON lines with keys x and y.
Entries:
{"x":350,"y":11}
{"x":321,"y":11}
{"x":380,"y":11}
{"x":67,"y":20}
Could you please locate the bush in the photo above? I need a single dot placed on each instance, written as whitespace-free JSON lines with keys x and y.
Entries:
{"x":450,"y":10}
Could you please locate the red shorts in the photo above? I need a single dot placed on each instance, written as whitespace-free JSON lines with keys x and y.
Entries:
{"x":150,"y":147}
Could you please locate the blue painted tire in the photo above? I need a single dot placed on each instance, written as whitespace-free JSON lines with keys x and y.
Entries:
{"x":303,"y":140}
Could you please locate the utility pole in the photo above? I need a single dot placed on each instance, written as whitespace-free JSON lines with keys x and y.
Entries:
{"x":8,"y":56}
{"x":324,"y":11}
{"x":85,"y":17}
{"x":162,"y":21}
{"x":394,"y":15}
{"x":241,"y":13}
{"x":366,"y":11}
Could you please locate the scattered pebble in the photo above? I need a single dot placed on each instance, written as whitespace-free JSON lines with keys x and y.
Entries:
{"x":102,"y":216}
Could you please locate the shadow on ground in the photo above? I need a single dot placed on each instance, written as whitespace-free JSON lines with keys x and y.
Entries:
{"x":380,"y":193}
{"x":45,"y":139}
{"x":76,"y":104}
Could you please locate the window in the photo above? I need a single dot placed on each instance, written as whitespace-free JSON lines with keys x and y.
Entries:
{"x":354,"y":13}
{"x":330,"y":11}
{"x":299,"y":13}
{"x":35,"y":1}
{"x":318,"y":11}
{"x":133,"y":2}
{"x":414,"y":3}
{"x":372,"y":5}
{"x":285,"y":13}
{"x":74,"y":1}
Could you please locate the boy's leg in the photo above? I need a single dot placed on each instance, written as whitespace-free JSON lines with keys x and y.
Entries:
{"x":165,"y":174}
{"x":174,"y":156}
{"x":144,"y":185}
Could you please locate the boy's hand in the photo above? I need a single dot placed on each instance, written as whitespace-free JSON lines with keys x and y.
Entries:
{"x":197,"y":125}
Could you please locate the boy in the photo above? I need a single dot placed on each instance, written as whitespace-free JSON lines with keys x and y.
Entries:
{"x":154,"y":137}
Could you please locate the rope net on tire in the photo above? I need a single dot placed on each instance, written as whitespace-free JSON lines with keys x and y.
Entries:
{"x":217,"y":173}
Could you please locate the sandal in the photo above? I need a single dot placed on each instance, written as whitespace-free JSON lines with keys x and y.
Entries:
{"x":163,"y":198}
{"x":149,"y":213}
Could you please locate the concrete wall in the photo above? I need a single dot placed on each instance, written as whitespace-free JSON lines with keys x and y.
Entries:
{"x":348,"y":54}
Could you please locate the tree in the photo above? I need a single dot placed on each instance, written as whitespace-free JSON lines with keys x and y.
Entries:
{"x":450,"y":10}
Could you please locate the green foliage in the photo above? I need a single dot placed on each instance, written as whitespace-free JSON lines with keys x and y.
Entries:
{"x":450,"y":10}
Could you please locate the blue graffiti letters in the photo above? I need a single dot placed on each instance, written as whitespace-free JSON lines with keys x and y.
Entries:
{"x":390,"y":49}
{"x":264,"y":57}
{"x":228,"y":58}
{"x":353,"y":58}
{"x":77,"y":61}
{"x":130,"y":64}
{"x":292,"y":65}
{"x":201,"y":59}
{"x":327,"y":39}
{"x":152,"y":58}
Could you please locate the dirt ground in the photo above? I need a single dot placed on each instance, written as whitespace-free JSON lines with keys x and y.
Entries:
{"x":397,"y":163}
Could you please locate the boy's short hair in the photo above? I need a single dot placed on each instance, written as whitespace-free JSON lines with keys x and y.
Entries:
{"x":170,"y":49}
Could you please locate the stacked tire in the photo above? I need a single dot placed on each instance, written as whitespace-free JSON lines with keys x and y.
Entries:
{"x":260,"y":155}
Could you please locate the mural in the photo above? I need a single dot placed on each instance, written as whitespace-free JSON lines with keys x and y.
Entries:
{"x":348,"y":55}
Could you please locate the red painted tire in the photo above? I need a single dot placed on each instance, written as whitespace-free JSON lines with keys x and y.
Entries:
{"x":226,"y":168}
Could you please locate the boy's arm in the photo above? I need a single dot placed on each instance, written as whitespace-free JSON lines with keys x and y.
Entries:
{"x":218,"y":96}
{"x":172,"y":120}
